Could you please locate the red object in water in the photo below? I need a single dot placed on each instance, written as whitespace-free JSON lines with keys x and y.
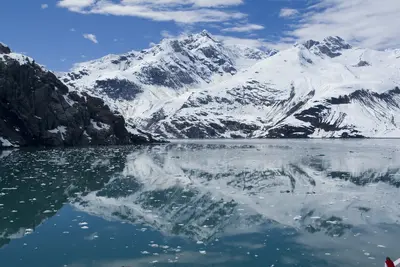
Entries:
{"x":389,"y":263}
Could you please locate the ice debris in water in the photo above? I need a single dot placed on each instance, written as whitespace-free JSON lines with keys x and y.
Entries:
{"x":297,"y":218}
{"x":145,"y":252}
{"x":381,"y":246}
{"x":83,"y":223}
{"x":84,"y":227}
{"x":28,"y":231}
{"x":202,"y":252}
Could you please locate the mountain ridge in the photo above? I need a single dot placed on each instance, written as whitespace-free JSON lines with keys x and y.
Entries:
{"x":261,"y":94}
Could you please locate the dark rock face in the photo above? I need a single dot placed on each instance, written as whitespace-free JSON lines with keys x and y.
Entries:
{"x":4,"y":49}
{"x":330,"y":46}
{"x":118,"y":89}
{"x":363,"y":63}
{"x":36,"y":109}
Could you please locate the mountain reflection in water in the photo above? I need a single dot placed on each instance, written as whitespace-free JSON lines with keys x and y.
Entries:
{"x":202,"y":203}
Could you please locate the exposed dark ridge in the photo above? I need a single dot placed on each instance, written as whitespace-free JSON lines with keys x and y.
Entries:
{"x":4,"y":49}
{"x":364,"y":95}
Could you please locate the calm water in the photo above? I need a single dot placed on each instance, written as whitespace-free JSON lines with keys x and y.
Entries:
{"x":256,"y":203}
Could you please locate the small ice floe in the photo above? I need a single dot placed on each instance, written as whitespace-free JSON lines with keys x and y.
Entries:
{"x":84,"y":227}
{"x":199,"y":242}
{"x":145,"y":252}
{"x":154,"y":261}
{"x":28,"y":231}
{"x":203,"y":252}
{"x":47,"y":211}
{"x":65,"y":232}
{"x":153,"y":245}
{"x":367,"y":254}
{"x":143,"y":229}
{"x":332,"y":222}
{"x":357,"y":234}
{"x":315,"y":218}
{"x":14,"y":211}
{"x":83,"y":223}
{"x":297,"y":218}
{"x":164,"y":247}
{"x":381,"y":246}
{"x":327,"y":254}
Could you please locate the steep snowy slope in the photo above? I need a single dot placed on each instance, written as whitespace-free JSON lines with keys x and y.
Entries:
{"x":314,"y":89}
{"x":138,"y":84}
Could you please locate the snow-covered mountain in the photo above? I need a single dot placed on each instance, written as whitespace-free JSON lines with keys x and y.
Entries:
{"x":198,"y":87}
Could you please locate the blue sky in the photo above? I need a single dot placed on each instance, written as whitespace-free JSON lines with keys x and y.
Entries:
{"x":59,"y":33}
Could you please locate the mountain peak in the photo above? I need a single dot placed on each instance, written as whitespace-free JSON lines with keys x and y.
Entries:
{"x":329,"y":46}
{"x":206,"y":33}
{"x":4,"y":49}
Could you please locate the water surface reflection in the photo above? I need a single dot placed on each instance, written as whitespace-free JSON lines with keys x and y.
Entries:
{"x":230,"y":203}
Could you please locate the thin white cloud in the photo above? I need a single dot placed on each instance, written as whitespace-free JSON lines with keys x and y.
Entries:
{"x":245,"y":28}
{"x":288,"y":12}
{"x":44,"y":6}
{"x":166,"y":34}
{"x":179,"y":11}
{"x":367,"y":23}
{"x":251,"y":42}
{"x":91,"y":37}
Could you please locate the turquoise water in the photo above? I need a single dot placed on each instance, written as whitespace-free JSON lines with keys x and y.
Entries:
{"x":210,"y":203}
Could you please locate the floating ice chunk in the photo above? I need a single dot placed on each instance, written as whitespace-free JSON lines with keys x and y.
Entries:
{"x":84,"y":227}
{"x":83,"y":223}
{"x":297,"y":218}
{"x":47,"y":211}
{"x":145,"y":252}
{"x":381,"y":246}
{"x":332,"y":222}
{"x":199,"y":242}
{"x":28,"y":231}
{"x":327,"y":254}
{"x":203,"y":252}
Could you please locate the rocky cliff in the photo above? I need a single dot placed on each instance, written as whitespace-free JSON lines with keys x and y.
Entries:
{"x":37,"y":109}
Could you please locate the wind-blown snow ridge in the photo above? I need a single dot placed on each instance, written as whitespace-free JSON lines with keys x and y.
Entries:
{"x":194,"y":86}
